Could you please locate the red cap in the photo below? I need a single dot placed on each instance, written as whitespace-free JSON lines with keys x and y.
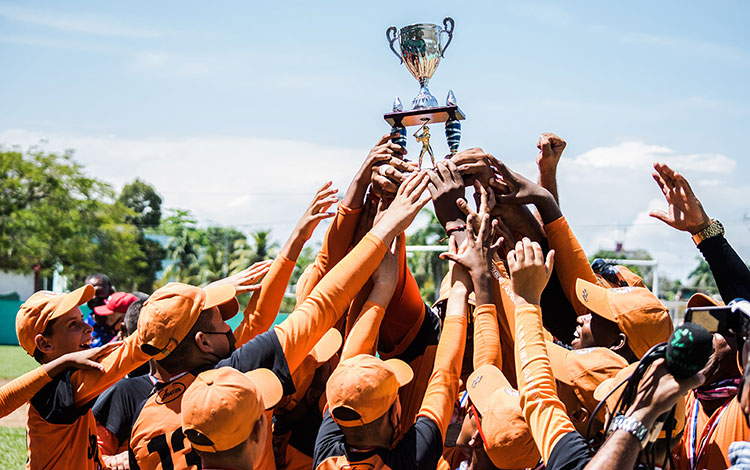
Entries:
{"x":117,"y":302}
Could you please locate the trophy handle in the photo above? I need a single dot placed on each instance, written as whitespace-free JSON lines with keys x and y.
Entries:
{"x":448,"y":24}
{"x":392,"y":35}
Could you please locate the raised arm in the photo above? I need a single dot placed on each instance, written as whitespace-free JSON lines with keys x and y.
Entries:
{"x":328,"y":301}
{"x":543,"y":410}
{"x":685,"y":213}
{"x":363,"y":337}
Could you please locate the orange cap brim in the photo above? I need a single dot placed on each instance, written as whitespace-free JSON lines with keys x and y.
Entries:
{"x":594,"y":298}
{"x":700,"y":299}
{"x":73,"y":299}
{"x":223,"y":297}
{"x":401,"y":370}
{"x":269,"y":386}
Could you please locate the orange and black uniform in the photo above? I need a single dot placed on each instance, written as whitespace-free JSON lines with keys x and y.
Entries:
{"x":422,"y":444}
{"x":116,"y":409}
{"x":560,"y":444}
{"x":61,"y":430}
{"x":157,"y":436}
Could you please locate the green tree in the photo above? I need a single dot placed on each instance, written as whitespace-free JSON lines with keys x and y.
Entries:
{"x":145,"y":203}
{"x":702,"y":279}
{"x":426,"y":266}
{"x":183,"y":248}
{"x":54,"y":216}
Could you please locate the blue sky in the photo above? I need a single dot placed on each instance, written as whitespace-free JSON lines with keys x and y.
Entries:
{"x":239,"y":110}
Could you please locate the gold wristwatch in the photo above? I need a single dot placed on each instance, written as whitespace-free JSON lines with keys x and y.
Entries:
{"x":714,"y":229}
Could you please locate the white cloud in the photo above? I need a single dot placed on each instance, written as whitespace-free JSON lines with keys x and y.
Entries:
{"x":81,"y":23}
{"x":250,"y":183}
{"x":634,"y":155}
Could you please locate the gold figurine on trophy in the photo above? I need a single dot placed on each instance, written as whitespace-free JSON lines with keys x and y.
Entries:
{"x":424,"y":139}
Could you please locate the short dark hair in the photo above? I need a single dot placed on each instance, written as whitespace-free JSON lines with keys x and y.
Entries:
{"x":130,"y":320}
{"x":183,"y":353}
{"x":101,"y":276}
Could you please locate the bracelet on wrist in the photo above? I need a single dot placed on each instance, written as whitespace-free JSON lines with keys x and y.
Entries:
{"x":632,"y":426}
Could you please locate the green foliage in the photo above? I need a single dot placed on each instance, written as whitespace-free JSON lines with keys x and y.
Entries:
{"x":306,"y":257}
{"x":145,"y":203}
{"x":427,"y":267}
{"x":702,"y":279}
{"x":54,"y":216}
{"x":13,"y":448}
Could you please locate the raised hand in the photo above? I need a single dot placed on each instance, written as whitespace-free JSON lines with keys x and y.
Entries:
{"x":475,"y":253}
{"x":513,"y":188}
{"x":550,"y":150}
{"x":248,"y":279}
{"x":86,"y":359}
{"x":446,"y":187}
{"x":410,"y":199}
{"x":324,"y":198}
{"x":684,"y":210}
{"x":529,"y":272}
{"x":485,"y":201}
{"x":384,"y":153}
{"x":473,"y":164}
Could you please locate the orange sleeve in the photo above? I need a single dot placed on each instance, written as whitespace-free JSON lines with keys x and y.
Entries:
{"x":20,"y":390}
{"x":260,"y":315}
{"x":502,"y":293}
{"x":106,"y":440}
{"x":486,"y":337}
{"x":336,"y":242}
{"x":443,"y":386}
{"x":88,"y":384}
{"x":571,"y":262}
{"x":405,"y":312}
{"x":543,"y":410}
{"x":363,"y":338}
{"x":301,"y":330}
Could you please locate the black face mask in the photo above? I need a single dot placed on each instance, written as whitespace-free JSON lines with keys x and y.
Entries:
{"x":230,"y":339}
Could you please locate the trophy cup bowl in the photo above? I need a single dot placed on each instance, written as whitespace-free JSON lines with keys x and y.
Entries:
{"x":421,"y":50}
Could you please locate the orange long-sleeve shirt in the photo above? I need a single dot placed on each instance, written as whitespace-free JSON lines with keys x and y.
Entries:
{"x":61,"y":429}
{"x":20,"y":390}
{"x":363,"y":337}
{"x":543,"y":410}
{"x":261,"y":311}
{"x":486,"y":337}
{"x":336,"y":242}
{"x":571,"y":262}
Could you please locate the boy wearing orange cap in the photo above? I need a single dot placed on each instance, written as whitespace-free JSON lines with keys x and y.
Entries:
{"x":224,"y":417}
{"x":185,"y":328}
{"x":61,"y":430}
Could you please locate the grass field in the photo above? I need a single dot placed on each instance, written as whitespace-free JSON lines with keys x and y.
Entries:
{"x":13,"y":448}
{"x":14,"y":362}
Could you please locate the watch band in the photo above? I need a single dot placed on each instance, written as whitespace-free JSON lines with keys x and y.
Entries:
{"x":631,"y":425}
{"x":714,"y":229}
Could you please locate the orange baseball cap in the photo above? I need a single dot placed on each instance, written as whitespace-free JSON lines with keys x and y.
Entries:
{"x":220,"y":408}
{"x":324,"y":350}
{"x":506,"y":436}
{"x":608,"y":385}
{"x":584,"y":370}
{"x":638,"y":313}
{"x":366,"y":387}
{"x":699,"y":299}
{"x":172,"y":310}
{"x":116,"y":303}
{"x":34,"y":315}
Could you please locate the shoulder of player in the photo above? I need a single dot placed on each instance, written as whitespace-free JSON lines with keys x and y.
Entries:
{"x":55,"y":401}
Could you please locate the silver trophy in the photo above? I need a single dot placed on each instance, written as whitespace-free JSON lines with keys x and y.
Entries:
{"x":421,"y":51}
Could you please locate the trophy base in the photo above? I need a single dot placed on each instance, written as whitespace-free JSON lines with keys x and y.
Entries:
{"x":417,"y":117}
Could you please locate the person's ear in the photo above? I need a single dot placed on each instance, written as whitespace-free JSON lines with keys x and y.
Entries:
{"x":201,"y":340}
{"x":255,"y":434}
{"x":42,"y":343}
{"x":620,"y":342}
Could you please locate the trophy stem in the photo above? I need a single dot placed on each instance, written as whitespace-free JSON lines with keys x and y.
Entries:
{"x":424,"y":99}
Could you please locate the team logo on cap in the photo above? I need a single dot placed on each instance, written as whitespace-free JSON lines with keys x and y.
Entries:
{"x":476,"y":381}
{"x":623,"y":290}
{"x":583,"y":351}
{"x":585,"y":295}
{"x":511,"y":391}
